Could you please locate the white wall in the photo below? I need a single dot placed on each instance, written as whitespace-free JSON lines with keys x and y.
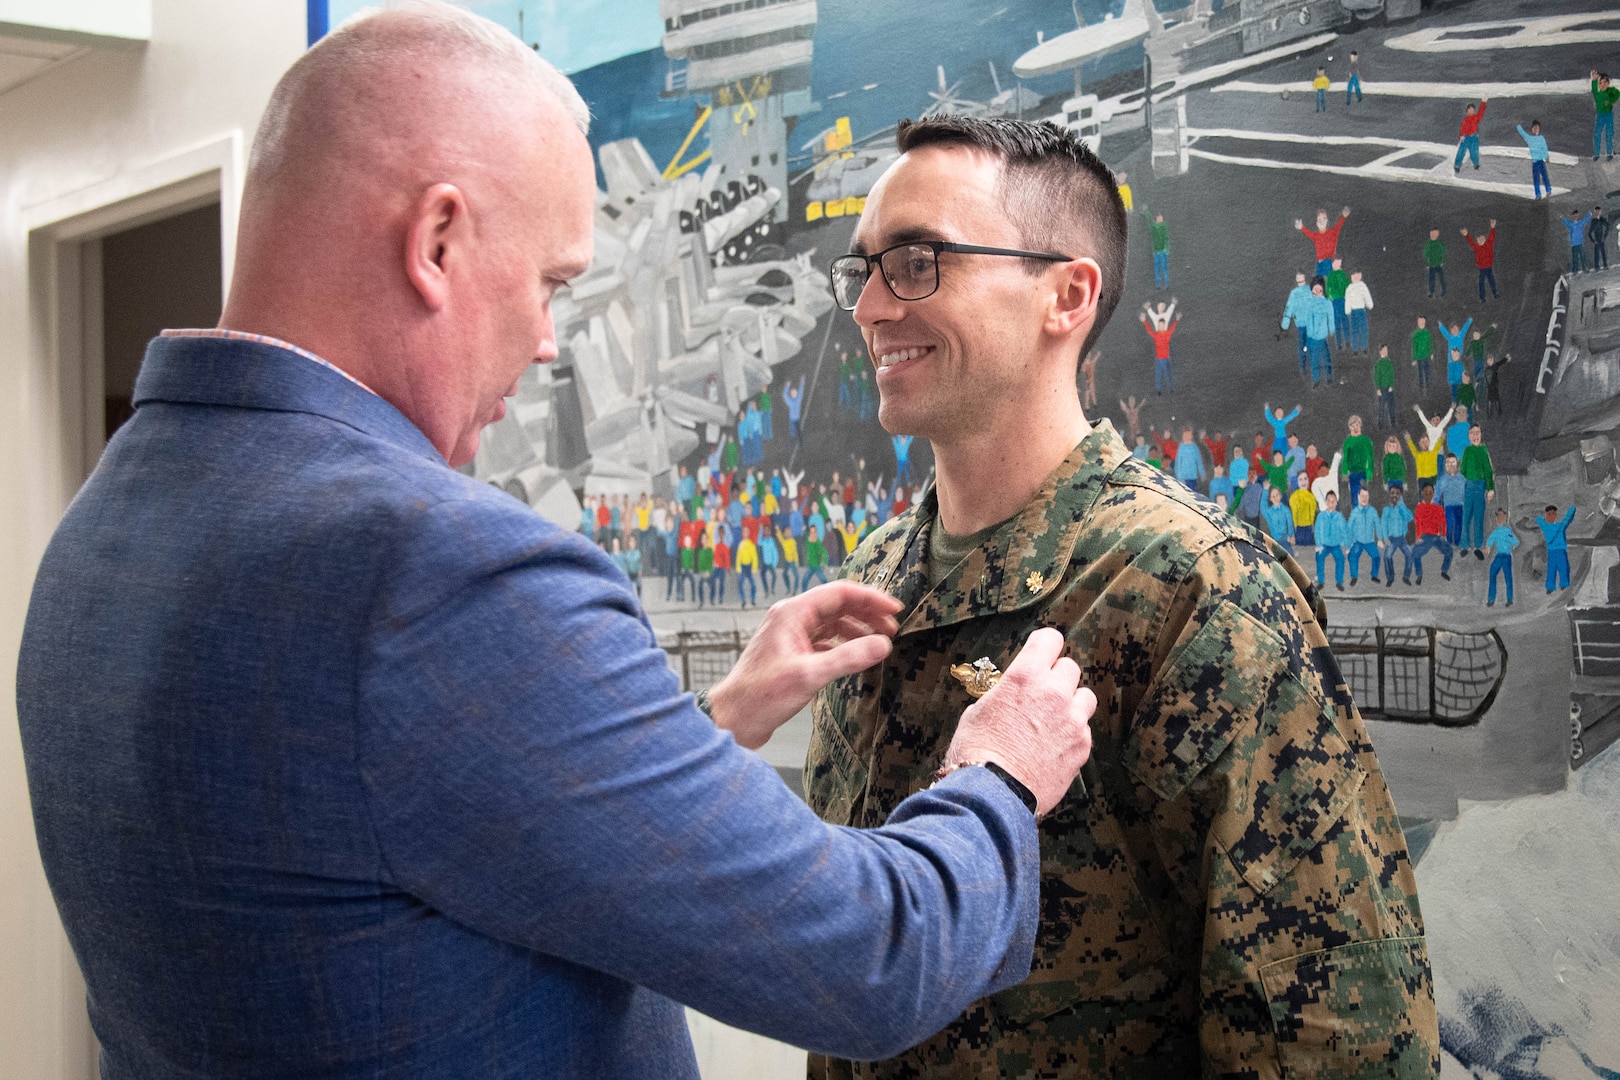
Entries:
{"x":119,"y":19}
{"x":103,"y":125}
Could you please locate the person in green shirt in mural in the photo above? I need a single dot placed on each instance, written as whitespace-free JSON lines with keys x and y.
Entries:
{"x":1384,"y":383}
{"x":815,"y":559}
{"x":765,"y":430}
{"x":1161,"y":248}
{"x":1338,"y":283}
{"x":846,"y":381}
{"x":1603,"y":97}
{"x":1434,"y":257}
{"x":1422,"y":351}
{"x":1358,"y":458}
{"x":1393,"y":464}
{"x":1479,"y":487}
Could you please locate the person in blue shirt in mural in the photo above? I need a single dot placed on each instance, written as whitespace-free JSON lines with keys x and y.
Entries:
{"x":1279,"y":425}
{"x":1537,"y":142}
{"x":1576,"y":227}
{"x":902,"y":458}
{"x":1317,"y":321}
{"x":1502,"y":541}
{"x":1294,"y":311}
{"x":1280,"y":521}
{"x":794,"y":397}
{"x":1552,"y":528}
{"x":1451,"y":491}
{"x":1331,"y":534}
{"x":1363,"y":530}
{"x":1189,"y":465}
{"x":1393,"y":524}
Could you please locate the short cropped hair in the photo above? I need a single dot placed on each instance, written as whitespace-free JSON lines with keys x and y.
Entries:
{"x":1056,"y":191}
{"x":399,"y":33}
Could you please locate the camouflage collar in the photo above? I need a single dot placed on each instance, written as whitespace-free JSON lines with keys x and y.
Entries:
{"x":1020,"y":566}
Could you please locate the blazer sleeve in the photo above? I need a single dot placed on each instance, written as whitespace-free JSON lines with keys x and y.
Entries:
{"x":534,"y":771}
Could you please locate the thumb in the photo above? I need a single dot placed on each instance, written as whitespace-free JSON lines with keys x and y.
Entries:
{"x":1041,"y":649}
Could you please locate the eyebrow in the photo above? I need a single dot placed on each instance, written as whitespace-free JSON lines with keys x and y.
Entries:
{"x":900,"y":236}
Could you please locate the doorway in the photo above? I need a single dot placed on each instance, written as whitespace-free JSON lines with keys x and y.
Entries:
{"x":159,"y":275}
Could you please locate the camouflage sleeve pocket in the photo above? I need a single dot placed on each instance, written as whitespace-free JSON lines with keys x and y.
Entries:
{"x":1228,"y":718}
{"x":1365,"y":1009}
{"x":1209,"y":692}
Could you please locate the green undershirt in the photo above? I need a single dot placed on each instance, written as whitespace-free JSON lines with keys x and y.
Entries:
{"x":946,"y":551}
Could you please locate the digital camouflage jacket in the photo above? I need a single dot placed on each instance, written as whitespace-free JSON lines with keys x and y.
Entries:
{"x":1226,"y":889}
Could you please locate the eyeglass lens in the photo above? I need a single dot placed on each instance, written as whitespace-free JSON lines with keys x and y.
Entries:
{"x":911,"y":270}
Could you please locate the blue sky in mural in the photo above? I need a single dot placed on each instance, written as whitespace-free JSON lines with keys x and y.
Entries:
{"x":612,"y":49}
{"x":893,"y":47}
{"x":573,"y":34}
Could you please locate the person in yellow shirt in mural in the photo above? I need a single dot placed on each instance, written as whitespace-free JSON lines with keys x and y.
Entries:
{"x":1427,"y":460}
{"x":790,"y":561}
{"x":1303,"y":504}
{"x":1320,"y":84}
{"x":746,"y":563}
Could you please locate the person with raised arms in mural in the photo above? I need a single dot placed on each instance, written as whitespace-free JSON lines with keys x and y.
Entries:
{"x":989,"y":257}
{"x":1324,"y":239}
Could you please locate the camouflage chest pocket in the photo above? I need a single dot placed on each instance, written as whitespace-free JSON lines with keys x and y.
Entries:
{"x":1235,"y":746}
{"x":834,"y":773}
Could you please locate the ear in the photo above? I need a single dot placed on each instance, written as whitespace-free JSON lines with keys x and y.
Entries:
{"x":435,"y":238}
{"x":1074,"y":302}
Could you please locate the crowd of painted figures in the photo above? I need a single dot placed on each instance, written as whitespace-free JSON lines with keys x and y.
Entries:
{"x":762,"y":530}
{"x":1294,"y":494}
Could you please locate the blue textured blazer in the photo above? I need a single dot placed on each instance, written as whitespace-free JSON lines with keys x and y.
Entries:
{"x":345,"y":765}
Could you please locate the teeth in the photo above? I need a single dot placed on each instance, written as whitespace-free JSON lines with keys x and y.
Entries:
{"x":903,"y":354}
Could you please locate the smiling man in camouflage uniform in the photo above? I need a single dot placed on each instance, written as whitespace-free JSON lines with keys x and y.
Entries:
{"x":1226,"y":890}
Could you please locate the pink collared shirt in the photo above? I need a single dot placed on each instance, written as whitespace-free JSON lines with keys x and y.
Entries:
{"x":239,"y":335}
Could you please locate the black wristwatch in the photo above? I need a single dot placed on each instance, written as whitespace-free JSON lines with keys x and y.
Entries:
{"x":1025,"y":796}
{"x":1016,"y":786}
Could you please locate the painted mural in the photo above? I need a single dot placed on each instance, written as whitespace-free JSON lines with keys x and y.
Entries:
{"x":1366,"y":235}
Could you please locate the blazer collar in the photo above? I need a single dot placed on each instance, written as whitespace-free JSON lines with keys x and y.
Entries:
{"x":255,"y":375}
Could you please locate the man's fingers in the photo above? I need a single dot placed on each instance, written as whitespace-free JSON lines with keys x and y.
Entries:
{"x":1068,"y":671}
{"x":823,"y":667}
{"x":1041,"y":649}
{"x":1082,"y":706}
{"x":836,"y":599}
{"x":848,"y":628}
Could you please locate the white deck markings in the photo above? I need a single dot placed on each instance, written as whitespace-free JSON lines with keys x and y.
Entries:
{"x":1386,"y":172}
{"x":1453,"y":91}
{"x":1532,"y":33}
{"x":1403,"y":146}
{"x":1381,"y":168}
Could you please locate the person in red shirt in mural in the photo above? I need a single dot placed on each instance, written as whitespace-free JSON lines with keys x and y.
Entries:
{"x":1324,"y":238}
{"x":1161,"y":352}
{"x":1431,"y":534}
{"x":1484,"y":258}
{"x":1468,"y":136}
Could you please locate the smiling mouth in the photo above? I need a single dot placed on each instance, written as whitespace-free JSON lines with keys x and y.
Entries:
{"x":899,"y":356}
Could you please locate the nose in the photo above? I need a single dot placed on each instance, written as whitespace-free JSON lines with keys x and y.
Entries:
{"x":877,"y":302}
{"x":546,"y":351}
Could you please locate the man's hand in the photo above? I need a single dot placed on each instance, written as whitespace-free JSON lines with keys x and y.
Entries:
{"x":804,"y":643}
{"x":1299,"y":223}
{"x":1035,"y":722}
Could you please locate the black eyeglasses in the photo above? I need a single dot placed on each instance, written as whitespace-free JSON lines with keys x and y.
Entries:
{"x":911,"y":269}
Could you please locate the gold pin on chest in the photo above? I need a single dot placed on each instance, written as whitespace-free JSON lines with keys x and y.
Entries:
{"x":978,"y":677}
